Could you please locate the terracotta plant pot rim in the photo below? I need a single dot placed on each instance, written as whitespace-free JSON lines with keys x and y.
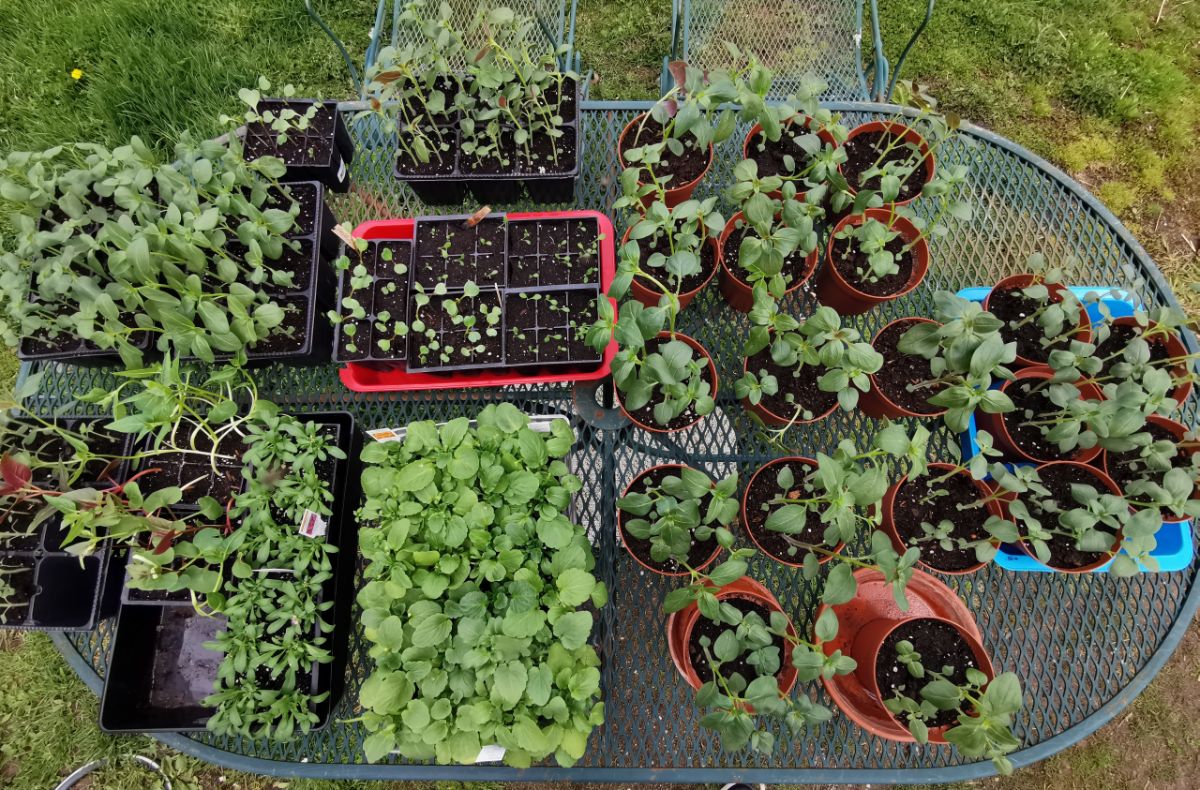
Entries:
{"x":745,"y":518}
{"x":687,"y":296}
{"x":676,"y":188}
{"x":1015,"y":282}
{"x":875,"y":383}
{"x":999,"y":422}
{"x":624,"y":537}
{"x":908,"y":232}
{"x":1178,"y":430}
{"x":810,"y":260}
{"x":888,"y":522}
{"x":1113,"y":488}
{"x":761,"y":409}
{"x":804,"y":120}
{"x":712,"y":371}
{"x":908,"y":133}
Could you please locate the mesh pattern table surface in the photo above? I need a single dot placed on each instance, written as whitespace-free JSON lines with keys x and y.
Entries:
{"x":1084,"y":646}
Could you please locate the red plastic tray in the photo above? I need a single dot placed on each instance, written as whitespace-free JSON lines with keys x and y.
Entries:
{"x":363,"y":378}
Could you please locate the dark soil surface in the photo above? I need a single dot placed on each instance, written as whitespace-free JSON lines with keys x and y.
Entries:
{"x":706,"y":627}
{"x":312,"y":146}
{"x":849,"y":260}
{"x":500,"y":162}
{"x":542,"y":158}
{"x":455,"y":336}
{"x":298,"y":262}
{"x":549,"y":327}
{"x":1058,"y":480}
{"x":451,"y":253}
{"x":361,"y":340}
{"x":290,"y":335}
{"x":863,"y":150}
{"x":771,"y":157}
{"x":415,"y":108}
{"x":697,"y":554}
{"x":180,"y":470}
{"x":566,"y":107}
{"x":802,"y":387}
{"x":305,"y":195}
{"x":1037,"y":404}
{"x":940,"y":646}
{"x":708,"y":264}
{"x":761,"y":491}
{"x":795,"y":266}
{"x":1010,"y":305}
{"x":545,"y":253}
{"x":914,"y":505}
{"x":901,"y":370}
{"x":645,"y":415}
{"x":683,"y":169}
{"x":441,"y":163}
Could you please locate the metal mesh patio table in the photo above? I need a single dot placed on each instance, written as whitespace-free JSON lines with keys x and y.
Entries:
{"x":1083,"y":645}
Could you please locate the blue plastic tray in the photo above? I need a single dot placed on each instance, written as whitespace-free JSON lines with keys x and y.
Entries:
{"x":1175,"y":547}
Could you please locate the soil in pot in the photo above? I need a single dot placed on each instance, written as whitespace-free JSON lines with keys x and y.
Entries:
{"x":311,"y":146}
{"x":1058,"y":479}
{"x":771,"y":159}
{"x":549,"y":327}
{"x":195,"y":472}
{"x":848,"y":260}
{"x":795,"y":266}
{"x":1032,"y":396}
{"x":863,"y":151}
{"x":502,"y":161}
{"x":955,"y":499}
{"x":567,"y":108}
{"x":303,"y":195}
{"x":290,"y":335}
{"x":645,"y":415}
{"x":684,"y":168}
{"x":708,"y":264}
{"x":940,"y":646}
{"x":1125,"y":468}
{"x":901,"y":370}
{"x":802,"y":388}
{"x":553,"y":252}
{"x":762,"y":489}
{"x":1009,"y":304}
{"x":548,"y":155}
{"x":698,"y":553}
{"x":453,"y":344}
{"x":449,"y":252}
{"x":1119,"y":337}
{"x":406,"y":166}
{"x":706,"y":627}
{"x":298,"y":262}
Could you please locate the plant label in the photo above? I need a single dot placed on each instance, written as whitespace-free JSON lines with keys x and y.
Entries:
{"x":341,"y":174}
{"x":312,"y":525}
{"x":492,"y":753}
{"x":385,"y":435}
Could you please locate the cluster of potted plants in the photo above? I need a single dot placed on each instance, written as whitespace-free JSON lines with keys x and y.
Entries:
{"x":505,"y":122}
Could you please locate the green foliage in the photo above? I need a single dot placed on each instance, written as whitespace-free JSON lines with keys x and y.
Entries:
{"x":474,"y":584}
{"x":683,"y":509}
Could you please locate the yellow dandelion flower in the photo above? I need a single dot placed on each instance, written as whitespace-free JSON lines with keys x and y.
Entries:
{"x":76,"y":74}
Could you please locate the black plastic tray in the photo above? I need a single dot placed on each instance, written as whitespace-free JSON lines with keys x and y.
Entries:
{"x":334,"y":172}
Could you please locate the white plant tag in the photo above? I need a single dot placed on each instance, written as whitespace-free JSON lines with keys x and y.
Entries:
{"x":312,"y":525}
{"x":385,"y":435}
{"x":492,"y":753}
{"x":341,"y":175}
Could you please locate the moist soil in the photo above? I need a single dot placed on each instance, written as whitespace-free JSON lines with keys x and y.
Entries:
{"x":1058,"y":480}
{"x":451,"y":253}
{"x":762,"y":489}
{"x":537,"y":332}
{"x":901,"y":370}
{"x":541,"y":158}
{"x":313,"y":146}
{"x":99,"y":441}
{"x":450,"y":87}
{"x":299,"y":262}
{"x":1010,"y":305}
{"x":562,"y":252}
{"x":452,"y":335}
{"x":940,"y":646}
{"x":802,"y":388}
{"x":708,"y":264}
{"x":796,"y":266}
{"x":444,"y":166}
{"x":1125,"y":468}
{"x":1038,"y":405}
{"x":770,"y":158}
{"x":290,"y":335}
{"x":502,"y":162}
{"x":388,"y":261}
{"x":1119,"y":337}
{"x":567,"y":109}
{"x":863,"y":150}
{"x":305,"y":196}
{"x":684,"y":168}
{"x":913,"y":505}
{"x":645,"y":415}
{"x":848,"y":260}
{"x":697,"y":554}
{"x":179,"y":470}
{"x":706,"y":627}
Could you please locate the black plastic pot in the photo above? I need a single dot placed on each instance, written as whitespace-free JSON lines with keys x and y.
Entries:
{"x":331,"y":167}
{"x":388,"y":292}
{"x":542,"y":187}
{"x":159,"y":671}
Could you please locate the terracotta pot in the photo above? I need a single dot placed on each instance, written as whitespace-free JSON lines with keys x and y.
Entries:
{"x":674,"y":195}
{"x":1104,"y":481}
{"x":649,"y":297}
{"x":910,"y":135}
{"x":1178,"y":430}
{"x":771,"y":418}
{"x":712,"y":371}
{"x":770,"y":466}
{"x":681,"y":623}
{"x":869,"y":641}
{"x":888,"y":516}
{"x":874,"y":402}
{"x":737,"y":292}
{"x":806,"y":122}
{"x":1175,"y":348}
{"x":997,"y":424}
{"x":1018,"y":281}
{"x":835,"y":291}
{"x":621,"y":525}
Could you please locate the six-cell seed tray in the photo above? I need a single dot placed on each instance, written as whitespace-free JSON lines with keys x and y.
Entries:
{"x":543,"y":270}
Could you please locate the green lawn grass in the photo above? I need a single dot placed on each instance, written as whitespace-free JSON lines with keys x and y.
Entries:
{"x":1103,"y":88}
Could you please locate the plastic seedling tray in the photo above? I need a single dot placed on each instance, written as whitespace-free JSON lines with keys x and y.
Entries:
{"x":1175,"y":547}
{"x":333,"y":170}
{"x":449,"y":253}
{"x":373,"y":378}
{"x":386,"y":295}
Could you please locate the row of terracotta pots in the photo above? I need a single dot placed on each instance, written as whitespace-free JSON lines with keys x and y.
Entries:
{"x":865,"y":623}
